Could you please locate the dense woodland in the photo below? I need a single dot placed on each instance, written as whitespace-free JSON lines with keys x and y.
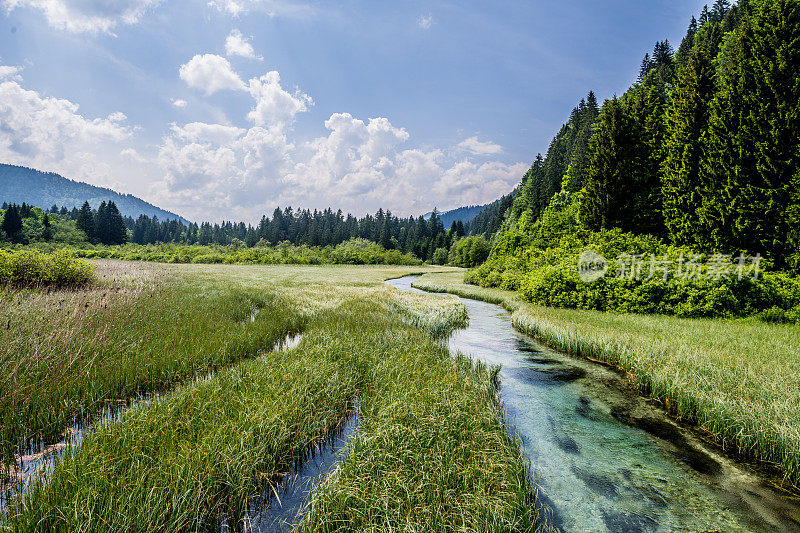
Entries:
{"x":702,"y":150}
{"x":700,"y":156}
{"x":426,"y":239}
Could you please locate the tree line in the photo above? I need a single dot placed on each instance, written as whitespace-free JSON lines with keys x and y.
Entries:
{"x":703,"y":150}
{"x":427,"y":239}
{"x":414,"y":235}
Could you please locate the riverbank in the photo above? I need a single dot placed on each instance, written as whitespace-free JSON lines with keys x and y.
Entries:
{"x":737,"y":380}
{"x":431,"y":447}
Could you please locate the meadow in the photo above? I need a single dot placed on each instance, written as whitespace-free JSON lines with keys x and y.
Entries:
{"x":737,"y":379}
{"x":237,"y":411}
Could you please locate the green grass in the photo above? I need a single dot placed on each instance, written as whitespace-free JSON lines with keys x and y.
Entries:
{"x":431,"y":451}
{"x":739,"y":380}
{"x":67,"y":354}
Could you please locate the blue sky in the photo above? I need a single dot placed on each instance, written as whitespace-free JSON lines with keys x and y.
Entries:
{"x":224,"y":109}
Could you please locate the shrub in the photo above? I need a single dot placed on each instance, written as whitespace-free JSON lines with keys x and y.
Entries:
{"x":540,"y":261}
{"x":24,"y":268}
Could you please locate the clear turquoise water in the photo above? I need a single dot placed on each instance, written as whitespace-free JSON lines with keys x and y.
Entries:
{"x":604,"y":458}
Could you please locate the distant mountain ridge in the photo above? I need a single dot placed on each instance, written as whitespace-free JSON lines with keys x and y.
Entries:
{"x":43,"y":189}
{"x":464,"y":214}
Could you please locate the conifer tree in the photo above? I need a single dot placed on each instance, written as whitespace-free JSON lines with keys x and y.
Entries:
{"x":645,"y":67}
{"x":687,"y":120}
{"x":47,"y":233}
{"x":719,"y":10}
{"x":85,"y":221}
{"x":117,"y":233}
{"x":12,"y":223}
{"x":604,"y":202}
{"x":753,"y":142}
{"x":101,"y":223}
{"x":704,"y":16}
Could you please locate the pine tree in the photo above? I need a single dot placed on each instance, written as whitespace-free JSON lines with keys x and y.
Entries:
{"x":687,"y":45}
{"x":644,"y":69}
{"x":386,"y":234}
{"x":12,"y":224}
{"x":604,"y":200}
{"x":85,"y":222}
{"x":719,"y":10}
{"x":687,"y":120}
{"x":47,"y":233}
{"x":117,"y":233}
{"x":704,"y":16}
{"x":753,"y":140}
{"x":648,"y":111}
{"x":101,"y":224}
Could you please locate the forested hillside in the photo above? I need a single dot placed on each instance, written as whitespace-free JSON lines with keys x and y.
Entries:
{"x":462,"y":214}
{"x":699,"y":159}
{"x":44,"y":189}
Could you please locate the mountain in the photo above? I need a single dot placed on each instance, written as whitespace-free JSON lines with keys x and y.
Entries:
{"x":43,"y":189}
{"x":490,"y":220}
{"x":464,"y":214}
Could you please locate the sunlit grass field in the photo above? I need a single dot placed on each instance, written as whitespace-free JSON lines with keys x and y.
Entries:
{"x":739,"y":380}
{"x":235,"y":413}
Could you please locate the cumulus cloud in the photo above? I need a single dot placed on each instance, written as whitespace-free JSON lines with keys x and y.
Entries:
{"x":210,"y":73}
{"x":425,"y":21}
{"x":358,"y":166}
{"x":237,"y":45}
{"x":177,"y":102}
{"x":211,"y":171}
{"x":9,"y":72}
{"x":92,"y":16}
{"x":274,"y":106}
{"x":473,"y":145}
{"x":49,"y":133}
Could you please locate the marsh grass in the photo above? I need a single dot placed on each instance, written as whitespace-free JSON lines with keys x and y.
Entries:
{"x":201,"y":453}
{"x":737,"y":379}
{"x":431,"y":452}
{"x":69,"y":353}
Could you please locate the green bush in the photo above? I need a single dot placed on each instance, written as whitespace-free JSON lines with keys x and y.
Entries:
{"x":540,"y":261}
{"x":352,"y":252}
{"x":23,"y":268}
{"x":469,"y":252}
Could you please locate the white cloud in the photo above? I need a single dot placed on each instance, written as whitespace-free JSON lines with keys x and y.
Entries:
{"x":211,"y":171}
{"x":8,"y":72}
{"x":92,"y":16}
{"x":181,"y":104}
{"x":117,"y":116}
{"x":425,"y":21}
{"x":50,"y":134}
{"x":131,"y":155}
{"x":274,"y":106}
{"x":210,"y":73}
{"x":473,"y":145}
{"x":273,"y":8}
{"x":222,"y":171}
{"x":237,"y":45}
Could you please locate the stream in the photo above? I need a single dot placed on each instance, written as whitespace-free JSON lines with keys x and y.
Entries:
{"x":39,"y":458}
{"x":605,"y":458}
